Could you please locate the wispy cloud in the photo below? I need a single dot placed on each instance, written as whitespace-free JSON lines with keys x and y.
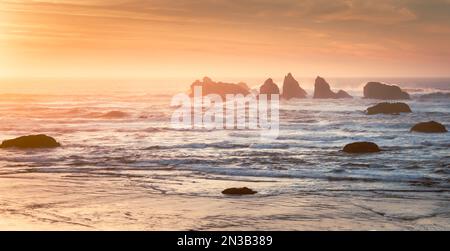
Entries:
{"x":154,"y":31}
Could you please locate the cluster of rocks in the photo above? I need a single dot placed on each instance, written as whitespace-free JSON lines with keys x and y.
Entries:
{"x":376,"y":90}
{"x":370,"y":147}
{"x":291,"y":88}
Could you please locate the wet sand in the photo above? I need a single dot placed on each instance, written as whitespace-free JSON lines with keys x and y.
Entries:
{"x":36,"y":202}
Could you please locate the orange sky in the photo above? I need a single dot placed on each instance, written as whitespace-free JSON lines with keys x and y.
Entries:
{"x":248,"y":38}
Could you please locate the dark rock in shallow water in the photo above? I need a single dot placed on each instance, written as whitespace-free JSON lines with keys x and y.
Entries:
{"x":31,"y":141}
{"x":429,"y":127}
{"x":210,"y":87}
{"x":269,"y":87}
{"x":322,"y":90}
{"x":238,"y":191}
{"x":291,"y":88}
{"x":114,"y":115}
{"x":361,"y":147}
{"x":388,"y":108}
{"x":377,"y":90}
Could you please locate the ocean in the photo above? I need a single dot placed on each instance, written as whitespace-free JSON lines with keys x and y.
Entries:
{"x":121,"y":165}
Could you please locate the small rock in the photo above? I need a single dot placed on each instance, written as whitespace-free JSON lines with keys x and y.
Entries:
{"x":361,"y":147}
{"x":31,"y":141}
{"x":388,"y":108}
{"x":238,"y":191}
{"x":114,"y":115}
{"x":429,"y":127}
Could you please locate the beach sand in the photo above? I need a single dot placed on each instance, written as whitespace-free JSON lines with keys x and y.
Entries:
{"x":35,"y":202}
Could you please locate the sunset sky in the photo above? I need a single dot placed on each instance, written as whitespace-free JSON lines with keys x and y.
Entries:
{"x":156,"y":38}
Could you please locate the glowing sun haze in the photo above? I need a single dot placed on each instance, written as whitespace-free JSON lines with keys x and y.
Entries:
{"x":156,"y":38}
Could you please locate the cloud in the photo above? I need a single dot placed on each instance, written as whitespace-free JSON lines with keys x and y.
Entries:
{"x":158,"y":30}
{"x":384,"y":12}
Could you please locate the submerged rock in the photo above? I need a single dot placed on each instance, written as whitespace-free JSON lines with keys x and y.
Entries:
{"x":429,"y":127}
{"x":378,"y":90}
{"x":31,"y":141}
{"x":322,"y":90}
{"x":238,"y":191}
{"x":388,"y":108}
{"x":291,"y":88}
{"x":269,"y":87}
{"x":210,"y":87}
{"x":361,"y":147}
{"x":114,"y":115}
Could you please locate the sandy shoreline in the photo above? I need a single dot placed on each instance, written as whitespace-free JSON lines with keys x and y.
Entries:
{"x":33,"y":202}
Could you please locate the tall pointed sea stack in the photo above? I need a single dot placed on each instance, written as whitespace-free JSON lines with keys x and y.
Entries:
{"x":291,"y":88}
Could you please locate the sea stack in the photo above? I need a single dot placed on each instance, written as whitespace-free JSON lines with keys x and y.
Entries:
{"x":210,"y":87}
{"x":31,"y":141}
{"x":429,"y":127}
{"x":291,"y":88}
{"x":322,"y":90}
{"x":388,"y":108}
{"x":376,"y":90}
{"x":269,"y":87}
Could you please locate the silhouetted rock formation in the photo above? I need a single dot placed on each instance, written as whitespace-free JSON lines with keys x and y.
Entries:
{"x":429,"y":127}
{"x":322,"y":90}
{"x":269,"y":87}
{"x":436,"y":95}
{"x":31,"y":141}
{"x":343,"y":94}
{"x":377,"y":90}
{"x":243,"y":85}
{"x":238,"y":191}
{"x":210,"y":87}
{"x":388,"y":108}
{"x":361,"y":147}
{"x":291,"y":88}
